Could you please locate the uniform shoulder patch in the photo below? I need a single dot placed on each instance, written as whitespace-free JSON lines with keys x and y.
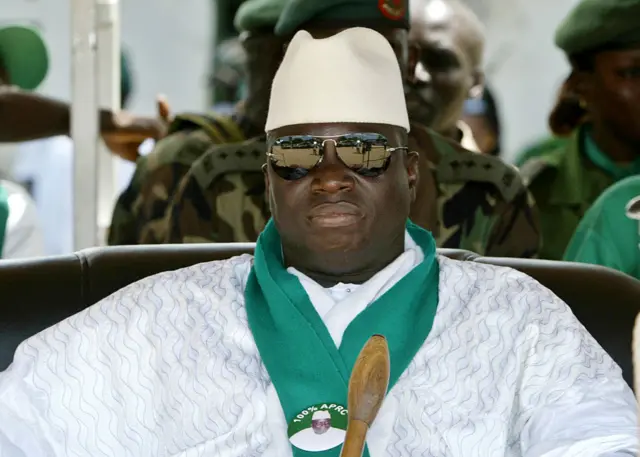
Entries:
{"x":247,"y":156}
{"x":464,"y":166}
{"x":183,"y":147}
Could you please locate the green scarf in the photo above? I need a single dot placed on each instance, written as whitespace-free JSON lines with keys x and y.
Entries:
{"x":310,"y":374}
{"x":4,"y":215}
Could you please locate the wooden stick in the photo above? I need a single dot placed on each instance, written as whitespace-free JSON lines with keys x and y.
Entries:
{"x":367,"y":388}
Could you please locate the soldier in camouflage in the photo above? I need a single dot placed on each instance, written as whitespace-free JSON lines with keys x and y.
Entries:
{"x":481,"y":204}
{"x":139,"y":214}
{"x":468,"y":200}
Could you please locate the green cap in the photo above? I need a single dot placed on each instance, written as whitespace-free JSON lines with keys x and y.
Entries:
{"x":600,"y":24}
{"x":259,"y":14}
{"x":24,"y":56}
{"x":299,"y":14}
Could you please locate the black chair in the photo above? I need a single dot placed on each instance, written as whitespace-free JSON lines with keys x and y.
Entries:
{"x":38,"y":293}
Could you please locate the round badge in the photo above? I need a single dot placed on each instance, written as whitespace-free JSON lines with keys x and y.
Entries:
{"x":319,"y":427}
{"x":392,"y":9}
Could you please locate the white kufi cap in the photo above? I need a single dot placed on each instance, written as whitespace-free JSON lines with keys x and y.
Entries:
{"x":353,"y":76}
{"x":319,"y":415}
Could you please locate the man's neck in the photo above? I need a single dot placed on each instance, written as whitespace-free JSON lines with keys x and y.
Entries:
{"x":323,"y":270}
{"x":619,"y":150}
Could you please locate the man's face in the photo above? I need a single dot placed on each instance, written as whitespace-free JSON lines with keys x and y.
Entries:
{"x":612,"y":92}
{"x":321,"y":426}
{"x":331,"y":215}
{"x":441,"y":57}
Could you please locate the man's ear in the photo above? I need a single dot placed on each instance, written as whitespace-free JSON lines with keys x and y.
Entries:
{"x":580,"y":83}
{"x":412,"y":163}
{"x":477,"y":84}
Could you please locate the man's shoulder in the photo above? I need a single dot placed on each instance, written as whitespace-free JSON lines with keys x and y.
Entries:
{"x":616,"y":204}
{"x":510,"y":290}
{"x":542,"y":148}
{"x":455,"y":165}
{"x":240,"y":157}
{"x":203,"y":276}
{"x":182,"y":147}
{"x":190,"y":135}
{"x":220,"y":128}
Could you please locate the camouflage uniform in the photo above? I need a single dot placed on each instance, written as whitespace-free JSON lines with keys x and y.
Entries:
{"x":472,"y":201}
{"x":468,"y":200}
{"x":222,"y":198}
{"x":139,"y":216}
{"x":140,"y":209}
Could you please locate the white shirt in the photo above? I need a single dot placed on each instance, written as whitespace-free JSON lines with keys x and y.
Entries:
{"x":168,"y":367}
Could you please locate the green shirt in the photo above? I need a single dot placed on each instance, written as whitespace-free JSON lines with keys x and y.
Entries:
{"x":606,"y":236}
{"x":565,"y":181}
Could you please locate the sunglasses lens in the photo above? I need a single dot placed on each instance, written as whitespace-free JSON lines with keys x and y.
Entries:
{"x":292,"y":157}
{"x":365,"y":153}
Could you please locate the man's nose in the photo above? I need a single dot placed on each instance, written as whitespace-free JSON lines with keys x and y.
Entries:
{"x":331,"y":175}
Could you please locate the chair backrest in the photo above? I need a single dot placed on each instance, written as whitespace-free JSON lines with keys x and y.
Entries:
{"x":35,"y":294}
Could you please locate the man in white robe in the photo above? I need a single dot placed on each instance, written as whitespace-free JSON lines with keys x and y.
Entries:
{"x":233,"y":357}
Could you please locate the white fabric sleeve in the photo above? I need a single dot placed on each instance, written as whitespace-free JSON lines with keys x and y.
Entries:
{"x":573,"y":398}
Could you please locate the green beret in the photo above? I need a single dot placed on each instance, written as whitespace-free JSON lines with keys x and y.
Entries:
{"x":299,"y":14}
{"x":600,"y":24}
{"x":258,"y":14}
{"x":24,"y":56}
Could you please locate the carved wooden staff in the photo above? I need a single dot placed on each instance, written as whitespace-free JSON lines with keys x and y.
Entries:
{"x":367,"y":388}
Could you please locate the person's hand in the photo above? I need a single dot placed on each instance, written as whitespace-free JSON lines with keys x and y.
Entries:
{"x":123,"y":133}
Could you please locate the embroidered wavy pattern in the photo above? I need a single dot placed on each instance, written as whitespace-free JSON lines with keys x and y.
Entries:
{"x":167,"y":367}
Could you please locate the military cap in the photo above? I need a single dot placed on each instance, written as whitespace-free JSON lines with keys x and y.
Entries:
{"x":24,"y":56}
{"x":598,"y":25}
{"x":342,"y":14}
{"x":258,"y":14}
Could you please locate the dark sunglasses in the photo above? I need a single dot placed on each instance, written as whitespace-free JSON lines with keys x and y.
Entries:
{"x":293,"y":157}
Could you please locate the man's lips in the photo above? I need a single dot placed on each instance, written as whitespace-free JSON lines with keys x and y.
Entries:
{"x":338,"y":214}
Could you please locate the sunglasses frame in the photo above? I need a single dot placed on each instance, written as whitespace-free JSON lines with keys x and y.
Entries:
{"x":319,"y":148}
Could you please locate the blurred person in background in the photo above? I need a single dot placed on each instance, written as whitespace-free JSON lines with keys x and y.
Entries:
{"x":446,"y":43}
{"x":222,"y":197}
{"x":24,"y":115}
{"x":45,"y":167}
{"x":609,"y":233}
{"x":139,"y":216}
{"x":468,"y":200}
{"x":598,"y":109}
